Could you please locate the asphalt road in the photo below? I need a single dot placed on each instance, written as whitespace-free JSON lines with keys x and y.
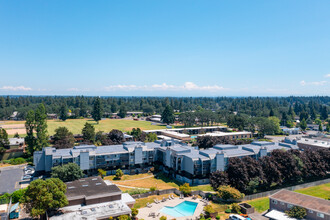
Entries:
{"x":9,"y":178}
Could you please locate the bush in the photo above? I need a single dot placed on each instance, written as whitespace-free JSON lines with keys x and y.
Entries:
{"x":119,"y":174}
{"x":163,"y":218}
{"x":217,"y":217}
{"x":152,"y":189}
{"x":124,"y":217}
{"x":226,"y":192}
{"x":102,"y":173}
{"x":235,"y":208}
{"x":297,"y":212}
{"x":134,"y":212}
{"x":16,"y":161}
{"x":135,"y":191}
{"x":208,"y":210}
{"x":185,"y":189}
{"x":228,"y":211}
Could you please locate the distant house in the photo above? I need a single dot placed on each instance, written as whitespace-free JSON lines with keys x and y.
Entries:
{"x":284,"y":200}
{"x":52,"y":116}
{"x":16,"y":149}
{"x":13,"y":116}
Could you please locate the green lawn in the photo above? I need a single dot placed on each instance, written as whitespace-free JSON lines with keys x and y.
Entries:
{"x":260,"y":205}
{"x":76,"y":125}
{"x":321,"y":191}
{"x":206,"y":187}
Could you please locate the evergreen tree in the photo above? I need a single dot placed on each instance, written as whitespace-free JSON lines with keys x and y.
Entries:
{"x":168,"y":115}
{"x":4,"y":142}
{"x":303,"y":124}
{"x":2,"y":102}
{"x":88,"y":132}
{"x":324,"y":113}
{"x":30,"y":140}
{"x":41,"y":128}
{"x":320,"y":127}
{"x":271,"y":113}
{"x":97,"y":110}
{"x":122,"y":111}
{"x":63,"y":112}
{"x":63,"y":138}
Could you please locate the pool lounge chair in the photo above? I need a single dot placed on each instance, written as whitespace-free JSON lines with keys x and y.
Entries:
{"x":172,"y":197}
{"x":169,"y":197}
{"x":156,"y":201}
{"x":164,"y":199}
{"x":152,"y":214}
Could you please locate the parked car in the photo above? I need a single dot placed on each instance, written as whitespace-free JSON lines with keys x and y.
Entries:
{"x":29,"y":172}
{"x":236,"y":217}
{"x":27,"y":177}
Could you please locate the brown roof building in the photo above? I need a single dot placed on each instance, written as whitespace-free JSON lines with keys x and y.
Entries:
{"x":91,"y":190}
{"x":284,"y":200}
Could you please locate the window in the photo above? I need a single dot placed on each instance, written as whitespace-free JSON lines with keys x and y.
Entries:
{"x":282,"y":203}
{"x":321,"y":215}
{"x":290,"y":206}
{"x":310,"y":211}
{"x":274,"y":201}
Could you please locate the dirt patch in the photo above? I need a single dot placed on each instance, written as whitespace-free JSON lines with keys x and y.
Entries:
{"x":14,"y":131}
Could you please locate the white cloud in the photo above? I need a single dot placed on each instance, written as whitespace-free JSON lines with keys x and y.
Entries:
{"x":327,"y":76}
{"x":16,"y":88}
{"x":187,"y":86}
{"x":317,"y":83}
{"x":73,"y":89}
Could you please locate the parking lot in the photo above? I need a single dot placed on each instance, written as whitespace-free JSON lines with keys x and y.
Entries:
{"x":10,"y":178}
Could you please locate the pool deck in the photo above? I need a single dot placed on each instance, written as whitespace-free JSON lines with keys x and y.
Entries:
{"x":144,"y":213}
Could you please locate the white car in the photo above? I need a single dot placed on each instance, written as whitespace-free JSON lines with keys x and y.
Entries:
{"x":27,"y":177}
{"x":236,"y":217}
{"x":29,"y":172}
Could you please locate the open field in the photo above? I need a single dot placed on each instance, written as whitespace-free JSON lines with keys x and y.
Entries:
{"x":206,"y":187}
{"x":76,"y":125}
{"x":321,"y":191}
{"x":145,"y":181}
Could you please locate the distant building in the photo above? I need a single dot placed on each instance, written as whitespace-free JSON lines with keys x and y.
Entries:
{"x":52,"y":116}
{"x":284,"y":200}
{"x":16,"y":149}
{"x":93,"y":198}
{"x":313,"y":144}
{"x":290,"y":131}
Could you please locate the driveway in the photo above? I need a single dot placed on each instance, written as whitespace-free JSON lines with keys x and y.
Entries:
{"x":10,"y":178}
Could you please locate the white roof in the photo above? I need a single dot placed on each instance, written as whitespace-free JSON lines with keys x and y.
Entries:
{"x":274,"y":214}
{"x":220,"y":134}
{"x":127,"y":198}
{"x":314,"y":142}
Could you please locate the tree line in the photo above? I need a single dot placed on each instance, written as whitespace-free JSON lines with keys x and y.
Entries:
{"x":249,"y":175}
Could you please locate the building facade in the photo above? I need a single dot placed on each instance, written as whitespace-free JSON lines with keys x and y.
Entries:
{"x":185,"y":163}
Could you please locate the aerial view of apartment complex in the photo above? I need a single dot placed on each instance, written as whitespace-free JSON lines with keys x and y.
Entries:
{"x":165,"y":110}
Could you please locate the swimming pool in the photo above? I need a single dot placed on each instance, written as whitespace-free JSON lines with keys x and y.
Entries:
{"x":185,"y":208}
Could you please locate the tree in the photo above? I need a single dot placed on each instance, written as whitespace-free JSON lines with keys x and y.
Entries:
{"x":324,"y":113}
{"x":122,"y":111}
{"x":102,"y":173}
{"x":42,"y":195}
{"x":218,"y":178}
{"x":168,"y":115}
{"x":63,"y":112}
{"x":30,"y":140}
{"x":320,"y":127}
{"x":97,"y":110}
{"x":208,"y":210}
{"x":63,"y":138}
{"x":88,"y":132}
{"x":17,"y":195}
{"x":297,"y":212}
{"x":41,"y":128}
{"x":235,"y":208}
{"x":67,"y":172}
{"x":226,"y":192}
{"x":119,"y":174}
{"x":116,"y":136}
{"x":185,"y":189}
{"x":303,"y":124}
{"x":4,"y":141}
{"x":151,"y":137}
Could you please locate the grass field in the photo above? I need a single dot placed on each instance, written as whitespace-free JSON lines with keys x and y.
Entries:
{"x":321,"y":191}
{"x":76,"y":125}
{"x":140,"y":181}
{"x":206,"y":187}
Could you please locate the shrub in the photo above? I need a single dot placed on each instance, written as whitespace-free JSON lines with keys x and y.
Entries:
{"x":297,"y":212}
{"x":152,"y":189}
{"x":217,"y":217}
{"x":235,"y":208}
{"x":228,"y":211}
{"x":208,"y":210}
{"x":119,"y":174}
{"x":185,"y":189}
{"x":134,"y":212}
{"x":163,"y":218}
{"x":226,"y":192}
{"x":135,"y":191}
{"x":16,"y":161}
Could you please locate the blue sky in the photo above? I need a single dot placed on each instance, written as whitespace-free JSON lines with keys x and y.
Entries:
{"x":166,"y":48}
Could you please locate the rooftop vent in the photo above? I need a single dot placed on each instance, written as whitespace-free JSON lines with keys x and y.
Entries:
{"x":84,"y":185}
{"x":82,"y":180}
{"x":94,"y":179}
{"x":71,"y":187}
{"x":98,"y":184}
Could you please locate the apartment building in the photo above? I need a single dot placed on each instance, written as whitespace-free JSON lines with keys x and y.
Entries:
{"x":185,"y":163}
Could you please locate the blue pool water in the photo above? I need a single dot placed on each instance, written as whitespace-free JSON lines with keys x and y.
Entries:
{"x":193,"y":136}
{"x":185,"y":208}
